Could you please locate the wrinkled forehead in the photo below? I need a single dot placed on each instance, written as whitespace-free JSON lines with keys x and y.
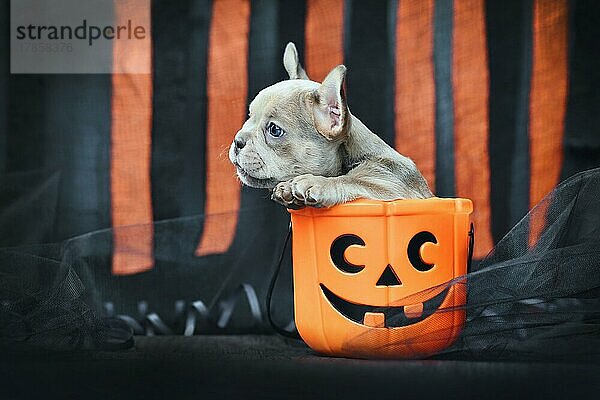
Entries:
{"x":285,"y":93}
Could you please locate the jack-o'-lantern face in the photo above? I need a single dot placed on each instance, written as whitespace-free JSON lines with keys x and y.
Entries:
{"x":371,"y":278}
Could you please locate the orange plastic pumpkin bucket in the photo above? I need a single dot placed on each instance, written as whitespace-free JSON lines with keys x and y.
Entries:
{"x":376,"y":279}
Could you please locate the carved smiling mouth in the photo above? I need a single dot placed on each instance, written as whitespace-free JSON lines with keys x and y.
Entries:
{"x":388,"y":317}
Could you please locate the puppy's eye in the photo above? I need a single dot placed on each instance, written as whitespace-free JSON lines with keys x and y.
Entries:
{"x":275,"y":130}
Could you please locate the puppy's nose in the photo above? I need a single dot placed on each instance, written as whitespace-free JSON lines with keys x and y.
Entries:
{"x":239,"y":143}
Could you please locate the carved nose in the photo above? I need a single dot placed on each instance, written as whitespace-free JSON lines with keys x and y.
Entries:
{"x":388,"y":278}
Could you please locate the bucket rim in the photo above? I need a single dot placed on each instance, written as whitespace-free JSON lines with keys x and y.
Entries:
{"x":366,"y":207}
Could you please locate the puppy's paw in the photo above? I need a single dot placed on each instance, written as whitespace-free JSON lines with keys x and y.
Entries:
{"x":314,"y":191}
{"x":282,"y":193}
{"x":306,"y":190}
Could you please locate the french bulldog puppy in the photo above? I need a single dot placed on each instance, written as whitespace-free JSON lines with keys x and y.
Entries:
{"x":301,"y":142}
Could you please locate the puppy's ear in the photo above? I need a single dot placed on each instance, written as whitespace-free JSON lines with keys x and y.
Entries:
{"x":330,"y":108}
{"x":291,"y":62}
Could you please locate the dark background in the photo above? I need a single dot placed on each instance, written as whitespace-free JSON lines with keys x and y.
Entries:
{"x":55,"y":129}
{"x":55,"y":146}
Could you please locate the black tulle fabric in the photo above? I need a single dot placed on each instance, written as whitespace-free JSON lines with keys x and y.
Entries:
{"x":541,"y":298}
{"x":535,"y":296}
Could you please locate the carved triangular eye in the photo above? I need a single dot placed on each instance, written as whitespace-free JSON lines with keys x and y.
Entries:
{"x":388,"y":278}
{"x":338,"y":248}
